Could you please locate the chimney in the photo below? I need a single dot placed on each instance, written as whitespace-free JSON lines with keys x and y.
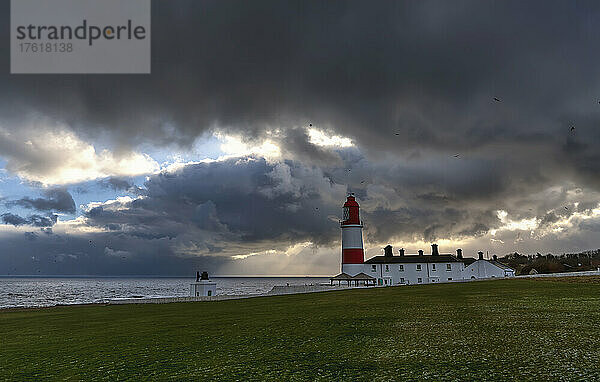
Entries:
{"x":388,"y":251}
{"x":495,"y":258}
{"x":197,"y":276}
{"x":434,"y":250}
{"x":459,"y":253}
{"x":480,"y":255}
{"x":420,"y":252}
{"x":401,"y":251}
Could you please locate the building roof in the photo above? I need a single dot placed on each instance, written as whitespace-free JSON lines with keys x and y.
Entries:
{"x":469,"y":260}
{"x":341,"y":276}
{"x":500,"y":265}
{"x":362,"y":276}
{"x":447,"y":258}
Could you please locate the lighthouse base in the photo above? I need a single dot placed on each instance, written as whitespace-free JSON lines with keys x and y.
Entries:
{"x":352,"y":269}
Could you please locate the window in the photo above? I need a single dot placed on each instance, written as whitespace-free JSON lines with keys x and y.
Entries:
{"x":373,"y":268}
{"x":401,"y":280}
{"x":387,"y":268}
{"x":418,"y":267}
{"x":448,"y":267}
{"x":346,"y":213}
{"x":419,"y":280}
{"x":401,"y":267}
{"x":433,"y":267}
{"x":449,"y":278}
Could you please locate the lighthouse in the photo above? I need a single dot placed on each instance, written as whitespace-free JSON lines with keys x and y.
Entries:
{"x":353,"y":255}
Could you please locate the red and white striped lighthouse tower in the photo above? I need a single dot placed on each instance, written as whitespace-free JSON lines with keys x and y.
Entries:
{"x":353,"y":255}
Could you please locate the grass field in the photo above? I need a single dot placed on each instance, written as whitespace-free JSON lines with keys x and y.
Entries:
{"x":496,"y":330}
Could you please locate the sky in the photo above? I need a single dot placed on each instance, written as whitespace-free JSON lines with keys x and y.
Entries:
{"x":471,"y":124}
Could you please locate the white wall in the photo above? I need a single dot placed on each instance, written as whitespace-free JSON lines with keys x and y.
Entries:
{"x":352,"y":236}
{"x":353,"y":269}
{"x":203,"y":288}
{"x":410,"y":274}
{"x":483,"y":269}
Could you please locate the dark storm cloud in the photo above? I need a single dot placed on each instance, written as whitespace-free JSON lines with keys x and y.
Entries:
{"x":240,"y":200}
{"x":427,"y":223}
{"x":411,"y":83}
{"x":97,"y":254}
{"x":13,"y":219}
{"x":412,"y":79}
{"x":590,"y":225}
{"x":57,"y":199}
{"x":296,"y":144}
{"x":32,"y":220}
{"x":31,"y":235}
{"x":428,"y":70}
{"x":249,"y":204}
{"x":42,"y":221}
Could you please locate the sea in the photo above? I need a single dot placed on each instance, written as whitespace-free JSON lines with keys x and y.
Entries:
{"x":29,"y":292}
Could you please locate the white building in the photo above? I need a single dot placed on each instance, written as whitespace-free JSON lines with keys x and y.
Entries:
{"x":203,"y":287}
{"x":414,"y":269}
{"x":404,"y":269}
{"x":486,"y":269}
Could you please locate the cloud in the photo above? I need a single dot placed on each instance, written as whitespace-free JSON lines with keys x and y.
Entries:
{"x":116,"y":253}
{"x":216,"y":208}
{"x":13,"y":219}
{"x":239,"y":208}
{"x":32,"y":220}
{"x":53,"y":154}
{"x":57,"y":199}
{"x":416,"y":81}
{"x":116,"y":184}
{"x":69,"y":252}
{"x":417,"y":69}
{"x":31,"y":235}
{"x":401,"y":99}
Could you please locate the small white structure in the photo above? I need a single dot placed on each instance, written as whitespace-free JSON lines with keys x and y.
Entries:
{"x":203,"y":286}
{"x":487,"y":269}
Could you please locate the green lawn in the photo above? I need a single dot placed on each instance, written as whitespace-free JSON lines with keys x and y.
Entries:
{"x":496,"y":330}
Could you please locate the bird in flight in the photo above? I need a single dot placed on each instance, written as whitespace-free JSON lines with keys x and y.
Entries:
{"x":397,"y":133}
{"x":497,"y":99}
{"x":566,"y":208}
{"x":456,"y":155}
{"x":310,"y":124}
{"x":572,"y":128}
{"x":362,"y":181}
